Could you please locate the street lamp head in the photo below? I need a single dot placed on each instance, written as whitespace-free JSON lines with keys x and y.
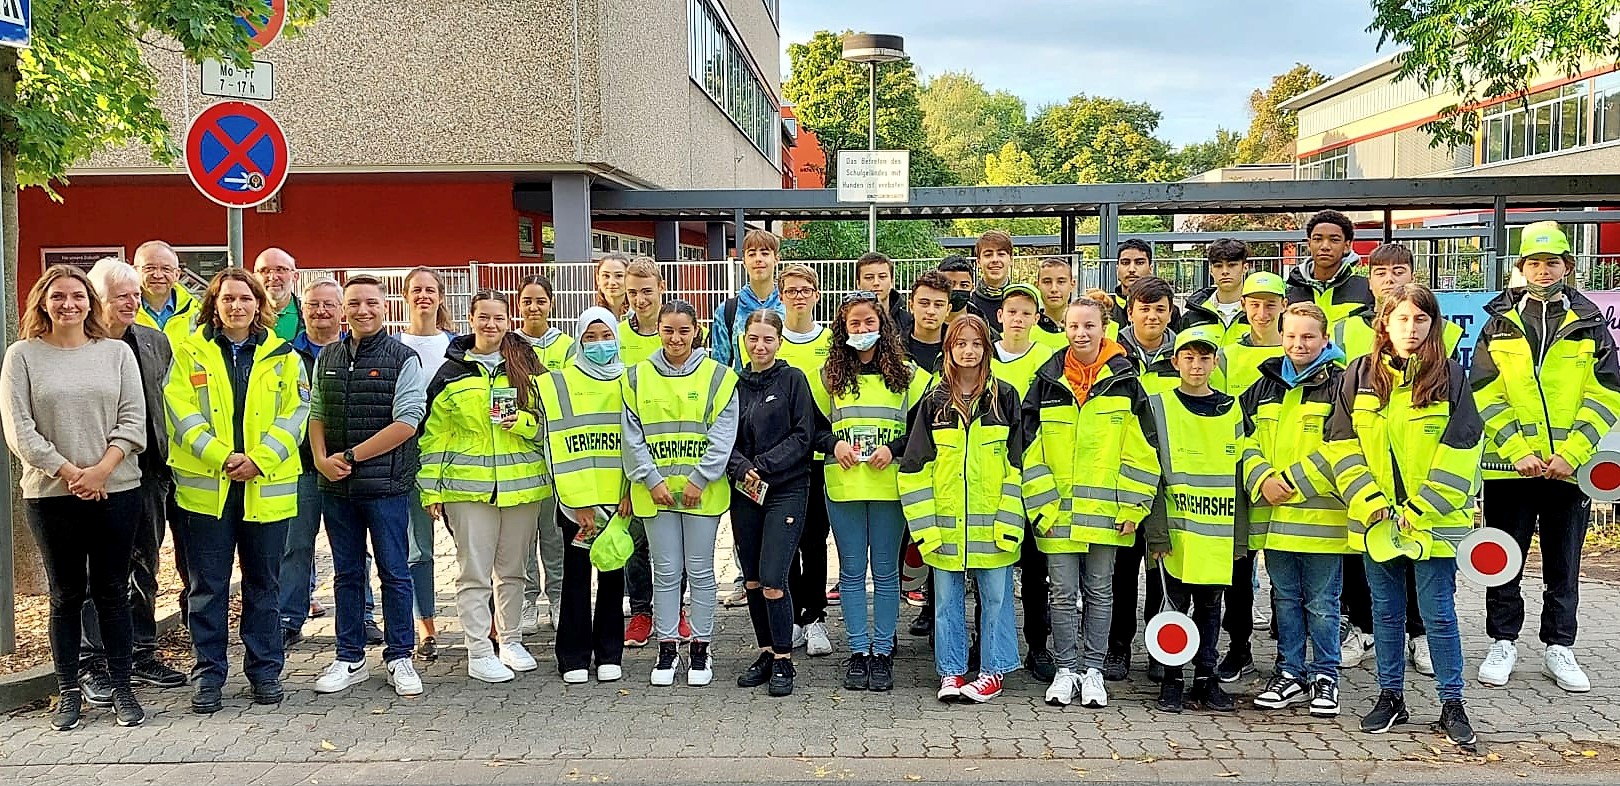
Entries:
{"x":874,"y":48}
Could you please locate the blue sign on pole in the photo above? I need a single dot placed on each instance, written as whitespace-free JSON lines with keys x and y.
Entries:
{"x":16,"y":21}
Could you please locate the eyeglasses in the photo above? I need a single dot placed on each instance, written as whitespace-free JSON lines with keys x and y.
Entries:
{"x":859,"y":296}
{"x":799,"y":292}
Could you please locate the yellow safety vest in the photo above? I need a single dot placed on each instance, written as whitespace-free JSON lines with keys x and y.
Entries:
{"x":875,"y":407}
{"x":676,"y":414}
{"x":634,"y":347}
{"x":1355,"y":335}
{"x":1198,"y":455}
{"x":585,"y":432}
{"x":201,"y":411}
{"x":1020,"y":371}
{"x":181,"y":324}
{"x":1284,"y":436}
{"x":467,"y":457}
{"x":807,"y":357}
{"x":1237,"y":367}
{"x":1058,"y":341}
{"x":554,"y":356}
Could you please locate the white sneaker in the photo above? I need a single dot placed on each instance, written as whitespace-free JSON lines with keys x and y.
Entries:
{"x":517,"y":658}
{"x":1063,"y":687}
{"x":577,"y":676}
{"x":402,"y":675}
{"x":530,"y":621}
{"x":609,"y":672}
{"x":1560,"y":665}
{"x":1499,"y":663}
{"x":1352,"y":646}
{"x":1421,"y":659}
{"x":1092,"y":693}
{"x":798,"y":636}
{"x":486,"y":669}
{"x":664,"y":674}
{"x":700,"y":670}
{"x":816,"y":640}
{"x":341,"y":675}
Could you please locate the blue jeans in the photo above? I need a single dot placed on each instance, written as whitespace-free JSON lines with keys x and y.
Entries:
{"x":1305,"y":592}
{"x":215,"y":545}
{"x":298,"y":557}
{"x":419,"y":556}
{"x":868,"y":532}
{"x":1436,"y":591}
{"x":387,"y":521}
{"x":998,"y":638}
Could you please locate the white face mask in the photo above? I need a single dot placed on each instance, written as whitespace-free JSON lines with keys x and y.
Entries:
{"x":862,"y":341}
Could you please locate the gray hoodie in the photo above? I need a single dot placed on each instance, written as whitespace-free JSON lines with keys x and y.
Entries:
{"x":638,"y":460}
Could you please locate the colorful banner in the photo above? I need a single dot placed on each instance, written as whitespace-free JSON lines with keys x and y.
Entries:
{"x":1467,"y":309}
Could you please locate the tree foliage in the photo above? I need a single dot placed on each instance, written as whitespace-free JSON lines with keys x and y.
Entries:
{"x":1216,"y":152}
{"x":847,"y":240}
{"x":965,"y":122}
{"x":830,"y":97}
{"x":1483,"y":49}
{"x":1272,"y":129}
{"x":1098,"y":140}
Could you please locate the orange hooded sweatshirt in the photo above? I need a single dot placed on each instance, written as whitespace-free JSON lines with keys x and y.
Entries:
{"x":1081,"y":376}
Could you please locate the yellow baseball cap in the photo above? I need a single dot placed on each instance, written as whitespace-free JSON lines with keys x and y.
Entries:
{"x":1264,"y":283}
{"x":1386,"y":541}
{"x":1202,"y":334}
{"x":1027,"y":290}
{"x":1543,"y":237}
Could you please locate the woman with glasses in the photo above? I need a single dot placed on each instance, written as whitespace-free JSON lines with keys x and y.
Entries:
{"x":865,"y":395}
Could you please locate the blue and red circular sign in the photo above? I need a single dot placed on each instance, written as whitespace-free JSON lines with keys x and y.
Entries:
{"x":263,"y":24}
{"x":236,"y":154}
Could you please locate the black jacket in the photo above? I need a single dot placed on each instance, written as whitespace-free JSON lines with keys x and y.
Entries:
{"x":775,"y":424}
{"x":1201,"y":311}
{"x":357,"y":390}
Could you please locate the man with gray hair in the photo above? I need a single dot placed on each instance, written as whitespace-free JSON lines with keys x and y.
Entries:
{"x":118,"y":285}
{"x":165,"y":304}
{"x":278,"y":272}
{"x":322,"y":306}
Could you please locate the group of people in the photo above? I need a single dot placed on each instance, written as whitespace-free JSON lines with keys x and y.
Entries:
{"x":1100,"y":444}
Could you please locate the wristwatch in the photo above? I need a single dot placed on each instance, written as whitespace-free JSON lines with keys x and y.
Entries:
{"x":348,"y":457}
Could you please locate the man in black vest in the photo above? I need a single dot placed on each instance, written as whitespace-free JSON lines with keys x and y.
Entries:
{"x":370,"y":397}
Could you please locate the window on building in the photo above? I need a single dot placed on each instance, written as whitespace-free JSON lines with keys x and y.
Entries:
{"x":1545,"y":122}
{"x":1606,"y":107}
{"x":720,"y":66}
{"x":1327,"y":165}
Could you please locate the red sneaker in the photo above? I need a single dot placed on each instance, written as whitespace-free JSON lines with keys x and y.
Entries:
{"x":983,"y":689}
{"x":832,"y":595}
{"x":950,"y":688}
{"x":916,"y":598}
{"x":686,"y":627}
{"x":638,"y":631}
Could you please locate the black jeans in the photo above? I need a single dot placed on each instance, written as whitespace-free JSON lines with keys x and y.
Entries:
{"x":768,"y":543}
{"x":1202,"y":602}
{"x":807,"y":576}
{"x":143,"y":586}
{"x":87,"y":544}
{"x":1037,"y":596}
{"x":217,"y":544}
{"x":638,"y":571}
{"x":1127,"y":577}
{"x":1356,"y":597}
{"x":582,"y":633}
{"x":1238,"y":618}
{"x":1560,"y":512}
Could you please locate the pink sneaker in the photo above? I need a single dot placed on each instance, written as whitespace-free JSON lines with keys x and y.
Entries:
{"x":983,"y":689}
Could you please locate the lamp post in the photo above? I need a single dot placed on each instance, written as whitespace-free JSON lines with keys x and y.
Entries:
{"x":872,"y":49}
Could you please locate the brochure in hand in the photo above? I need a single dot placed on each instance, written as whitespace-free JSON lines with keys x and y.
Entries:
{"x":502,"y":404}
{"x":865,"y":441}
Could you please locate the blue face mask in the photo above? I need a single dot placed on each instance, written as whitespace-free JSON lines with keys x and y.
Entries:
{"x":862,"y":341}
{"x":600,"y":353}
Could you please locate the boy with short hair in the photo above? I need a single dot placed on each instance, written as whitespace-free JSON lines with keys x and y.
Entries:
{"x":1132,"y":263}
{"x":931,"y":297}
{"x":1056,"y":283}
{"x":1388,"y":266}
{"x":1194,"y":530}
{"x":994,"y":255}
{"x":759,"y":250}
{"x":1149,"y":339}
{"x":874,"y":272}
{"x":1328,"y":278}
{"x":638,"y":331}
{"x":1239,"y":364}
{"x":1221,"y":303}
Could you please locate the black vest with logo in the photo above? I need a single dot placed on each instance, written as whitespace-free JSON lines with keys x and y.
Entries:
{"x":357,"y":395}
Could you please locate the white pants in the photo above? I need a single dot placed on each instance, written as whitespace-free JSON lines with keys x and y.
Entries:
{"x":492,"y":545}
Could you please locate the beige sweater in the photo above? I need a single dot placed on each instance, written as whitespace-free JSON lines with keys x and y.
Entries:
{"x":62,"y":405}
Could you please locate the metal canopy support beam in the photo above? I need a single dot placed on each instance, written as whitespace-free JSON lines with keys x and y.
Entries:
{"x":1531,"y":217}
{"x":739,"y":222}
{"x":667,"y":241}
{"x":1499,"y":244}
{"x":1066,"y":227}
{"x":1255,"y":236}
{"x":1389,"y":225}
{"x":716,"y":231}
{"x":1107,"y":230}
{"x":571,"y":218}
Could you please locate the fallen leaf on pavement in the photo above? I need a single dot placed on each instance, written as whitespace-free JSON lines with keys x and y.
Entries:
{"x":326,"y":745}
{"x":1228,"y":774}
{"x":913,"y":777}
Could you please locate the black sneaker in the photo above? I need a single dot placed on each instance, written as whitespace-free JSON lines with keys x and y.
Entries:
{"x":96,"y":688}
{"x":1389,"y":711}
{"x":923,"y":624}
{"x":1208,"y":695}
{"x":1040,"y":665}
{"x":1117,"y":666}
{"x":880,"y":669}
{"x":1454,"y":722}
{"x":1236,"y":664}
{"x":857,"y":674}
{"x":429,"y":649}
{"x":1324,"y":698}
{"x":1155,"y":671}
{"x":129,"y":710}
{"x":1171,"y":696}
{"x":291,"y":637}
{"x":758,"y":673}
{"x":69,"y":710}
{"x":374,"y":634}
{"x":1284,"y":690}
{"x":207,"y":700}
{"x":781,"y":677}
{"x":268,"y":692}
{"x":156,"y":673}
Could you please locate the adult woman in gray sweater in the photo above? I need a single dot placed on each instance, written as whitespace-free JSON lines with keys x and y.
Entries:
{"x":75,"y":414}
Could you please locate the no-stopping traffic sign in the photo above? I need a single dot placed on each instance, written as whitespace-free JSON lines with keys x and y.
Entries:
{"x":236,"y":154}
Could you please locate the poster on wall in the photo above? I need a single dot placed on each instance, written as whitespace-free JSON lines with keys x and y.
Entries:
{"x":82,"y":257}
{"x":198,"y":264}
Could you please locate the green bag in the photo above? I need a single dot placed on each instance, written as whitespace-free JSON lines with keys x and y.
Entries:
{"x":613,"y":546}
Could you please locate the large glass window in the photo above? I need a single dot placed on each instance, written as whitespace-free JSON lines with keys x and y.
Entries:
{"x":720,"y":66}
{"x":1545,"y":122}
{"x":1327,"y":165}
{"x":1606,"y":107}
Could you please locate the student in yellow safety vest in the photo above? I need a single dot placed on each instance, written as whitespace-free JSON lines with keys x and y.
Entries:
{"x":1388,"y":266}
{"x":1238,"y":367}
{"x":865,"y":397}
{"x":484,"y":474}
{"x":806,"y":345}
{"x":1295,"y":516}
{"x":1328,"y":278}
{"x":960,"y":484}
{"x":535,"y":300}
{"x":1221,"y":303}
{"x":582,"y":405}
{"x":638,"y":340}
{"x":1055,"y":280}
{"x":238,"y":403}
{"x":1196,"y":527}
{"x":680,"y":422}
{"x":1089,"y":478}
{"x":1404,"y":442}
{"x":554,"y":347}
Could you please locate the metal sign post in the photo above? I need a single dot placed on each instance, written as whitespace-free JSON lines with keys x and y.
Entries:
{"x":16,"y":27}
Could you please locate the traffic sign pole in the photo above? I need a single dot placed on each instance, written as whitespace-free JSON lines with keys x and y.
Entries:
{"x":233,"y":233}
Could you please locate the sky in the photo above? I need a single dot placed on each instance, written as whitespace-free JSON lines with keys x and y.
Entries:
{"x":1195,"y":61}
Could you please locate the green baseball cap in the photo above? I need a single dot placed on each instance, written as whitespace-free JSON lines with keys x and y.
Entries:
{"x":1543,"y":237}
{"x":1386,"y":541}
{"x":1264,"y":283}
{"x":613,"y":546}
{"x":1202,"y":334}
{"x":1027,"y":290}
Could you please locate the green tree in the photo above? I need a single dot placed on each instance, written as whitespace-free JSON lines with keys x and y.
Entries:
{"x":1097,"y":140}
{"x":964,"y":122}
{"x":911,"y":239}
{"x":1478,"y":50}
{"x":1272,"y":129}
{"x":830,"y":97}
{"x":1009,"y":166}
{"x":1213,"y":153}
{"x":83,"y":86}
